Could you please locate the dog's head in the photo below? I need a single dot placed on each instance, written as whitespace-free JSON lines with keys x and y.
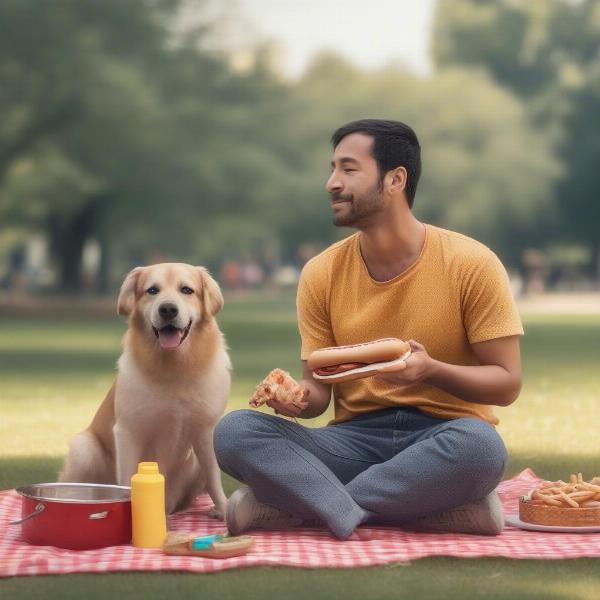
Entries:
{"x":168,"y":300}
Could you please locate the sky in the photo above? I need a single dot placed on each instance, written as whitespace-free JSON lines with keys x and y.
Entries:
{"x":370,"y":33}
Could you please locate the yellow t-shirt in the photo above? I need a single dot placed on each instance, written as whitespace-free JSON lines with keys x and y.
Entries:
{"x":456,"y":293}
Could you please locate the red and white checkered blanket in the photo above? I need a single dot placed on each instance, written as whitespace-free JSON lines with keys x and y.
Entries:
{"x":297,"y":548}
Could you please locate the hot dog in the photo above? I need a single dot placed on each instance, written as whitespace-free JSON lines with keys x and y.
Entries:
{"x":345,"y":363}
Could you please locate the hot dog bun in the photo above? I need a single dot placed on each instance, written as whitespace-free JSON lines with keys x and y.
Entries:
{"x":367,"y":358}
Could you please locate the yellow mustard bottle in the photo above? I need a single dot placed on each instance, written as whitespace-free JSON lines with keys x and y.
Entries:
{"x":148,"y":517}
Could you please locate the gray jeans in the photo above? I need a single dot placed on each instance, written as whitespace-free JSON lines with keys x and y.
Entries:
{"x":388,"y":466}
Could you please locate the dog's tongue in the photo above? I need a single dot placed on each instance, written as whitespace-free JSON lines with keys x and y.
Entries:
{"x":169,"y":337}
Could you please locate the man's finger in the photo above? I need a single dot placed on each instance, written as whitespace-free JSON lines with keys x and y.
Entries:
{"x":281,"y":409}
{"x":392,"y":369}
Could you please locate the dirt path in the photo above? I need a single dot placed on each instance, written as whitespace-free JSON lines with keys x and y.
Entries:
{"x":587,"y":303}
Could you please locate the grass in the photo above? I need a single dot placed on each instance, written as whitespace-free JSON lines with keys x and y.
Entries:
{"x":54,"y":372}
{"x":427,"y":579}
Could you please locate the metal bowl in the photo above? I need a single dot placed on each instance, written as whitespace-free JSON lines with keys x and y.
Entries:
{"x":77,"y":516}
{"x":76,"y":492}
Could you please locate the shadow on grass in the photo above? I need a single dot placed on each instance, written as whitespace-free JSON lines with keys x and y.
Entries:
{"x":577,"y":340}
{"x":61,"y":363}
{"x":25,"y":470}
{"x":437,"y":578}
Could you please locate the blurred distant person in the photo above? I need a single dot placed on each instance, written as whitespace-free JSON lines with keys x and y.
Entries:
{"x":253,"y":274}
{"x":231,"y":274}
{"x":415,"y":445}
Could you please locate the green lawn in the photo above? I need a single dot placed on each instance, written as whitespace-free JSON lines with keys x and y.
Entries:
{"x":54,"y":372}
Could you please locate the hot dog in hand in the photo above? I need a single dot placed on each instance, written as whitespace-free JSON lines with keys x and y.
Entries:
{"x":345,"y":363}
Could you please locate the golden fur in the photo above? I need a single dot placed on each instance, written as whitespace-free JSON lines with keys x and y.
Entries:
{"x":167,"y":399}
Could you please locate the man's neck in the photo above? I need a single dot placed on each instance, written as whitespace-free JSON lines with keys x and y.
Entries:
{"x":391,"y":247}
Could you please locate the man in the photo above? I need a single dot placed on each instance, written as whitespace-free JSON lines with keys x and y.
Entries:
{"x":416,"y":445}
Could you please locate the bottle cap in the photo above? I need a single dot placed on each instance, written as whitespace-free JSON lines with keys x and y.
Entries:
{"x":148,"y":468}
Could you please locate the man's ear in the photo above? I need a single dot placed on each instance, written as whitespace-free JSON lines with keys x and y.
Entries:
{"x":398,"y":179}
{"x":211,"y":296}
{"x":126,"y":300}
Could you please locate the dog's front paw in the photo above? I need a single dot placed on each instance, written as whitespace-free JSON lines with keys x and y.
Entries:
{"x":218,"y":512}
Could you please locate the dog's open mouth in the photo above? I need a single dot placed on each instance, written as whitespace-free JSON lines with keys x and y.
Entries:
{"x":170,"y":336}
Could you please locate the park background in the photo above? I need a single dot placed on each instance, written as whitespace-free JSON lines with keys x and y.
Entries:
{"x":139,"y":131}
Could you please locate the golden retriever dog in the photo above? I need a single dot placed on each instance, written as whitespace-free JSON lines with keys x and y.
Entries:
{"x":171,"y":389}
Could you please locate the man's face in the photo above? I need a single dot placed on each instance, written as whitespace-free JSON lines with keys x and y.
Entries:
{"x":354,"y":186}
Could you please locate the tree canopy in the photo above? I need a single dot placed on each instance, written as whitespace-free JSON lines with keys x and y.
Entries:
{"x":548,"y":55}
{"x":122,"y":127}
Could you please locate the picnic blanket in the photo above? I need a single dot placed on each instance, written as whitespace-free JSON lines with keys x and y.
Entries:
{"x":308,"y":548}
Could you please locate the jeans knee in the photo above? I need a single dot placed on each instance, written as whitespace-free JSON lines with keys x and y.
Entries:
{"x":233,"y":432}
{"x":227,"y":434}
{"x":483,"y":453}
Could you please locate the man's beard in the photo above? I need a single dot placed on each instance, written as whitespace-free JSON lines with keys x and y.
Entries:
{"x":358,"y":210}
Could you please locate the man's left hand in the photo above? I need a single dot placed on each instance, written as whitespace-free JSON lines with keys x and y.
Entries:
{"x":415,"y":369}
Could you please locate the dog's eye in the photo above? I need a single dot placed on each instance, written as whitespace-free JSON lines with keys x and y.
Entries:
{"x":152,"y":290}
{"x":187,"y":290}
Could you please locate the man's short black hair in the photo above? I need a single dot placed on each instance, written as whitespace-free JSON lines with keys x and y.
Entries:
{"x":395,"y":144}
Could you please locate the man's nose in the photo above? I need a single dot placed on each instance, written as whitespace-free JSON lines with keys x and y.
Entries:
{"x":168,"y":311}
{"x":333,"y":183}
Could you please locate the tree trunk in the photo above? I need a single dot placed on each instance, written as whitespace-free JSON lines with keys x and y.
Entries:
{"x":596,"y":263}
{"x":67,"y":241}
{"x":103,"y":282}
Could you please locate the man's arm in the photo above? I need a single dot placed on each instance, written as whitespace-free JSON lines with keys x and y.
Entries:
{"x":496,"y":380}
{"x":317,"y":393}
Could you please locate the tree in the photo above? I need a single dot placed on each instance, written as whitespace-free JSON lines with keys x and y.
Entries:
{"x":547,"y":53}
{"x":486,"y":172}
{"x":78,"y":112}
{"x":122,"y":128}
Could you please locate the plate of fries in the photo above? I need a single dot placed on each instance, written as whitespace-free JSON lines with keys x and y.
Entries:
{"x":572,"y":506}
{"x":516,"y":522}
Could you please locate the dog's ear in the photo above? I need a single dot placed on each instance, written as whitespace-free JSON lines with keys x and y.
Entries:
{"x":212,"y":298}
{"x":126,"y":300}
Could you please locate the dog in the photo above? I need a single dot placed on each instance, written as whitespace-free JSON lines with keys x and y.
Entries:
{"x":172,"y":387}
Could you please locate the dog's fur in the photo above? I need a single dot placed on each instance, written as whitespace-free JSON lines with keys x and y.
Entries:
{"x":165,"y":402}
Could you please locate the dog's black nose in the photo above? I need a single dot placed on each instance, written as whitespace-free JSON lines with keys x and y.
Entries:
{"x":168,"y":311}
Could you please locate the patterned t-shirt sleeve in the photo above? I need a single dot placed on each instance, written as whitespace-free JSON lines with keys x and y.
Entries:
{"x":489,"y":309}
{"x":313,"y":320}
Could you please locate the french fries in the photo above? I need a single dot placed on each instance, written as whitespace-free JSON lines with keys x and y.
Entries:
{"x":575,"y":494}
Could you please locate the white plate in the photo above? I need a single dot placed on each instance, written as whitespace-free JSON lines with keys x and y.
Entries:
{"x":516,"y":522}
{"x":365,"y":369}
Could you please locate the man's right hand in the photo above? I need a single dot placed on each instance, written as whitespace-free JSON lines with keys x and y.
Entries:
{"x":317,"y":394}
{"x":314,"y":402}
{"x":289,"y":410}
